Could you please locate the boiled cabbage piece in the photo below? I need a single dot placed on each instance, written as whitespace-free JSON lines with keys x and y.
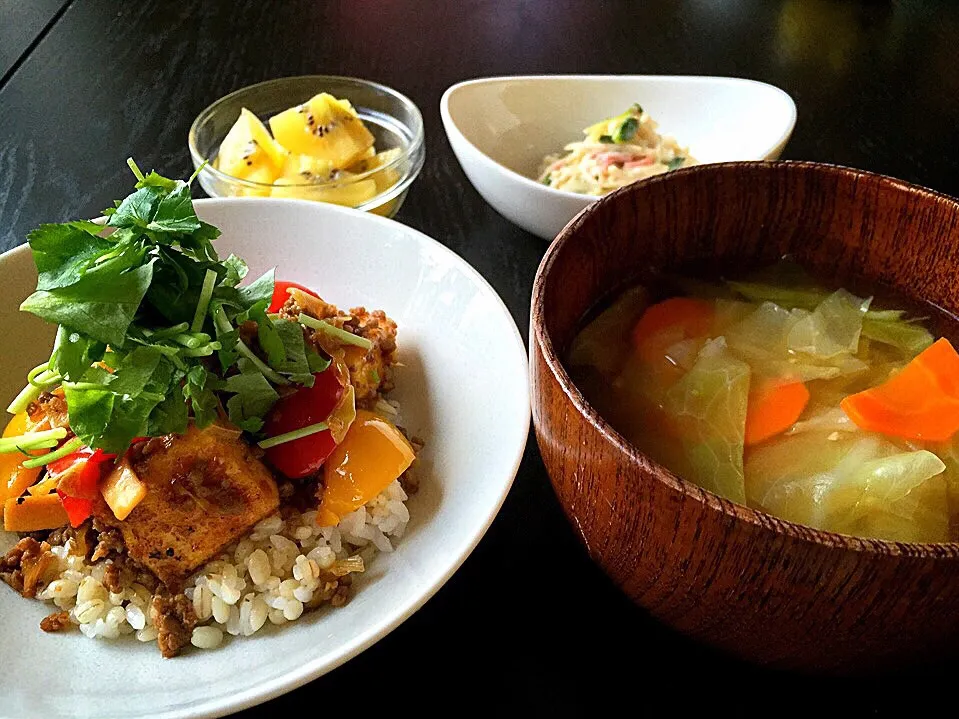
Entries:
{"x":861,"y":485}
{"x":604,"y":342}
{"x":707,"y":408}
{"x":797,"y":344}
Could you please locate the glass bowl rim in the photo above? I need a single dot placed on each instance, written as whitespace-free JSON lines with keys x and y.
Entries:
{"x":413,"y":151}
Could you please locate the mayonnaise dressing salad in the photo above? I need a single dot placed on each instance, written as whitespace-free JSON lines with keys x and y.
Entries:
{"x":616,"y":151}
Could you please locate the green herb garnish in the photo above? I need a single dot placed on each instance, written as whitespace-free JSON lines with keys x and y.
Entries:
{"x":675,"y":163}
{"x":149,"y":319}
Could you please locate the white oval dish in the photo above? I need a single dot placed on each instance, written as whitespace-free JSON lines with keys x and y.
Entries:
{"x":501,"y":128}
{"x":463,"y":388}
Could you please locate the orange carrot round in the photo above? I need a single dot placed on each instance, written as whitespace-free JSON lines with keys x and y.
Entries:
{"x":921,"y":401}
{"x":670,"y":321}
{"x":774,"y":406}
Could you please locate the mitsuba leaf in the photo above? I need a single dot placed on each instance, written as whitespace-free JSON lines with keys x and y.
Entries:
{"x":63,"y":253}
{"x":200,"y":389}
{"x":171,"y":416}
{"x":89,"y":412}
{"x":100,"y":308}
{"x":175,"y":213}
{"x":136,"y":370}
{"x":260,"y":290}
{"x":138,"y":209}
{"x":295,"y":363}
{"x":253,"y":397}
{"x":75,"y":353}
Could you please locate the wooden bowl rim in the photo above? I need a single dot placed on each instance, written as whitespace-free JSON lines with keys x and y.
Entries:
{"x":635,"y":457}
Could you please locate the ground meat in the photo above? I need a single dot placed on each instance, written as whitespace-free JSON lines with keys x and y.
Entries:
{"x":109,"y":541}
{"x":174,"y":618}
{"x":26,"y":565}
{"x":59,"y":537}
{"x":51,"y":407}
{"x":56,"y":622}
{"x":120,"y":572}
{"x":371,"y":371}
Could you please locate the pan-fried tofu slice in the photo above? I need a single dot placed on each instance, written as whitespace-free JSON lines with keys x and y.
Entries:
{"x":205,"y":489}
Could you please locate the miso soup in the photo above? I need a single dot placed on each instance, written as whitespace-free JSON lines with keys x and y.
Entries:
{"x":824,"y":407}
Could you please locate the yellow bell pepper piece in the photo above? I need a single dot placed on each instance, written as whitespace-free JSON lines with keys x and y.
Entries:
{"x":14,"y":479}
{"x":32,"y":514}
{"x":372,"y":455}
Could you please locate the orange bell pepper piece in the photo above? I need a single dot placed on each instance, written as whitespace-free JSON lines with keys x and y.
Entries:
{"x":774,"y":406}
{"x":14,"y":479}
{"x":920,"y":402}
{"x":370,"y":457}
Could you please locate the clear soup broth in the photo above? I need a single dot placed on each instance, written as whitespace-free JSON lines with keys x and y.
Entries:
{"x":833,"y":408}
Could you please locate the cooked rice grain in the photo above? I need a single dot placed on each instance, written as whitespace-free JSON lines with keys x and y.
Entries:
{"x":281,"y":570}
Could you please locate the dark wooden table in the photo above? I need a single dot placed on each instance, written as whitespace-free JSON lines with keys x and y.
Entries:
{"x":528,"y":624}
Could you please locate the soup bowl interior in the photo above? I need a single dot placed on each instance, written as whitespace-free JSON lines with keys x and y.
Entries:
{"x":766,"y":589}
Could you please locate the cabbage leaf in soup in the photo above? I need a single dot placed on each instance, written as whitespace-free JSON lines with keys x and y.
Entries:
{"x":858,"y":485}
{"x":708,"y":407}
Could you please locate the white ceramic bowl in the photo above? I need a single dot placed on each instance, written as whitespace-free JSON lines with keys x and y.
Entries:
{"x":463,"y":387}
{"x":501,"y":128}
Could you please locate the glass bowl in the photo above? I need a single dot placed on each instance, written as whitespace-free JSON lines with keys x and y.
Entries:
{"x":392,"y":118}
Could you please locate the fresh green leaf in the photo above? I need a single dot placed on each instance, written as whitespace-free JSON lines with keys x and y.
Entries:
{"x":138,"y":209}
{"x":675,"y":163}
{"x":171,"y":416}
{"x":200,"y":389}
{"x":175,"y":213}
{"x":101,"y":310}
{"x":62,"y":254}
{"x":74,"y":353}
{"x":295,"y":364}
{"x":89,"y":412}
{"x":155,"y":180}
{"x":136,"y":371}
{"x":253,"y":397}
{"x":260,"y":290}
{"x":317,"y":362}
{"x":236,"y":270}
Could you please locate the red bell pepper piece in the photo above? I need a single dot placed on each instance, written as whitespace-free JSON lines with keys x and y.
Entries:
{"x":280,"y":294}
{"x":79,"y":482}
{"x":78,"y":509}
{"x":306,"y":406}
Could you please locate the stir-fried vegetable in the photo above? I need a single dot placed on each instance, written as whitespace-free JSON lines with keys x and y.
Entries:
{"x":372,"y":455}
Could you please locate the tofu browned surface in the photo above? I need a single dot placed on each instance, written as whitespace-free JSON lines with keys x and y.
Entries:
{"x":205,"y":489}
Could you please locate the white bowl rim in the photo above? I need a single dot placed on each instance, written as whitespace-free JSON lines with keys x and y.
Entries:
{"x":265,"y":691}
{"x":529,"y":182}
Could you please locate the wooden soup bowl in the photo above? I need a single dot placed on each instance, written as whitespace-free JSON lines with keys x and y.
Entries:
{"x":765,"y":589}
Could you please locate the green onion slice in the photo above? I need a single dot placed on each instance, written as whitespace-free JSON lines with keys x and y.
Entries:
{"x":295,"y":434}
{"x":206,"y":292}
{"x":31,"y":440}
{"x":69,"y":448}
{"x":344,"y":337}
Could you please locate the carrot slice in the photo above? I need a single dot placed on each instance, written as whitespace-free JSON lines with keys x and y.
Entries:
{"x":670,"y":321}
{"x":33,"y":513}
{"x":920,"y":402}
{"x":774,"y":406}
